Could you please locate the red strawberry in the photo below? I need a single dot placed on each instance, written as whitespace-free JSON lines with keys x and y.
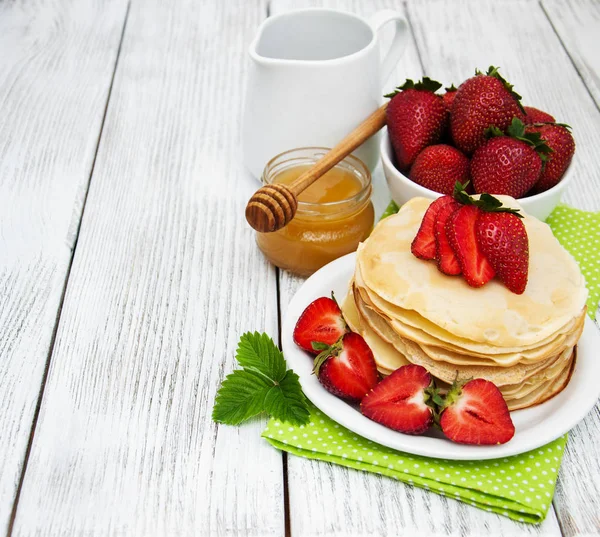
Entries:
{"x":400,"y":401}
{"x":321,"y":322}
{"x":347,"y":368}
{"x":482,"y":101}
{"x":476,"y":413}
{"x":508,"y":165}
{"x":446,"y":260}
{"x":423,"y":245}
{"x":503,"y":240}
{"x":534,"y":115}
{"x":560,"y":140}
{"x":462,"y":235}
{"x":416,"y":118}
{"x":448,"y":97}
{"x":438,"y":167}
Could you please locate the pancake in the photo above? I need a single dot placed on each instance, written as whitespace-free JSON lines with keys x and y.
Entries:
{"x":387,"y":358}
{"x":447,"y":372}
{"x":437,"y":349}
{"x":490,"y":315}
{"x":432,"y":335}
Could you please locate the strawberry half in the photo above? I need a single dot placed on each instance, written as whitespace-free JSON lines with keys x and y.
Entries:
{"x":347,"y":368}
{"x":444,"y":254}
{"x":423,"y":245}
{"x":462,"y":234}
{"x":503,"y":240}
{"x":322,"y":322}
{"x":476,"y":413}
{"x":400,"y":401}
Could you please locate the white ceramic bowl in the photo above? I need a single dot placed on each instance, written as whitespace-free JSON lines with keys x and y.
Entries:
{"x":403,"y":189}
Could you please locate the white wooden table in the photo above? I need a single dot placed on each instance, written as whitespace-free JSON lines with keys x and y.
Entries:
{"x":127,"y":271}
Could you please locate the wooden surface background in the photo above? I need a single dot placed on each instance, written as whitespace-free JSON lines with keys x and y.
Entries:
{"x":127,"y":271}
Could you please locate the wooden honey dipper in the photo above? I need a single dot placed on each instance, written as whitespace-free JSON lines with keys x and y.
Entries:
{"x":273,"y":206}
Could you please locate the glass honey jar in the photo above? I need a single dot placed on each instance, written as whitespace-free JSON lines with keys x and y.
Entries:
{"x":334,"y":214}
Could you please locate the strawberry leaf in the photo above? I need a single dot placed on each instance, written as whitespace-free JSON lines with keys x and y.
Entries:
{"x":486,"y":202}
{"x":286,"y":401}
{"x":423,"y":85}
{"x":451,"y":88}
{"x":257,"y":352}
{"x":263,"y":385}
{"x":516,"y":130}
{"x":493,"y":131}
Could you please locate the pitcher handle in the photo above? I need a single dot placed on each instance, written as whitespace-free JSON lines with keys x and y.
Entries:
{"x":377,"y":21}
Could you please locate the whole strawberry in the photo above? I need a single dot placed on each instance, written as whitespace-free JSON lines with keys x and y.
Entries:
{"x":438,"y":167}
{"x":535,"y":115}
{"x":503,"y":240}
{"x":448,"y":97}
{"x":480,"y":102}
{"x":347,"y":368}
{"x":559,"y":139}
{"x":416,"y":118}
{"x":508,"y":165}
{"x":476,"y":413}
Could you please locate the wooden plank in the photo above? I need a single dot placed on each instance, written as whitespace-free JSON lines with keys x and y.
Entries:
{"x":164,"y":280}
{"x":326,"y":499}
{"x":577,"y":23}
{"x":56,"y":66}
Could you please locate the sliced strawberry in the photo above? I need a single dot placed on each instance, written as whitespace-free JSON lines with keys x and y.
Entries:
{"x":476,"y":413}
{"x":462,"y":235}
{"x":347,"y":368}
{"x":503,"y":240}
{"x":400,"y":401}
{"x":446,"y":260}
{"x":423,"y":245}
{"x":322,"y":322}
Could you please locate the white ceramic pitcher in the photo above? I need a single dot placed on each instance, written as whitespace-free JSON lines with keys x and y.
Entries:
{"x":315,"y":75}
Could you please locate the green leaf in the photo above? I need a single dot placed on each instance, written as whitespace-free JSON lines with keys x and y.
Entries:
{"x":451,"y":88}
{"x":486,"y":202}
{"x":319,"y":345}
{"x":258,"y":352}
{"x":423,"y":85}
{"x":241,"y":396}
{"x":264,"y":384}
{"x":286,"y":402}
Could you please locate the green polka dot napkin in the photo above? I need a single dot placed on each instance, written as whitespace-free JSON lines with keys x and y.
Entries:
{"x":519,"y":487}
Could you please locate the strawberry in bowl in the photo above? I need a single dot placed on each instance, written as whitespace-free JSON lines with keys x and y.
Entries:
{"x":485,"y":124}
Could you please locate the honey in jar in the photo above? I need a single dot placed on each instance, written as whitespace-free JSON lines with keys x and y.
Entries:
{"x":334,"y":214}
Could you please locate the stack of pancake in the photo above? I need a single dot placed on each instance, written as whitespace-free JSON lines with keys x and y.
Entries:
{"x":409,"y":312}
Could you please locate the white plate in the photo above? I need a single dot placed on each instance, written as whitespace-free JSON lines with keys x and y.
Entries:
{"x":534,"y":426}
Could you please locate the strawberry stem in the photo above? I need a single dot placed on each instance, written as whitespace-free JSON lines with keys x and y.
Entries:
{"x":423,"y":85}
{"x":486,"y":202}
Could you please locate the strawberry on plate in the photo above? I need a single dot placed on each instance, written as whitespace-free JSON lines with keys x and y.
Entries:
{"x":561,"y":142}
{"x":438,"y":167}
{"x":535,"y":115}
{"x":400,"y":400}
{"x":509,"y":164}
{"x":416,"y":118}
{"x":423,"y":245}
{"x":447,"y":261}
{"x":503,"y":240}
{"x":347,"y":368}
{"x":462,"y":234}
{"x":476,"y":413}
{"x":321,"y":322}
{"x":482,"y":101}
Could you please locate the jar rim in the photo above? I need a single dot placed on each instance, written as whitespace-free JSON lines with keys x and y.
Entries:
{"x":354,"y":162}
